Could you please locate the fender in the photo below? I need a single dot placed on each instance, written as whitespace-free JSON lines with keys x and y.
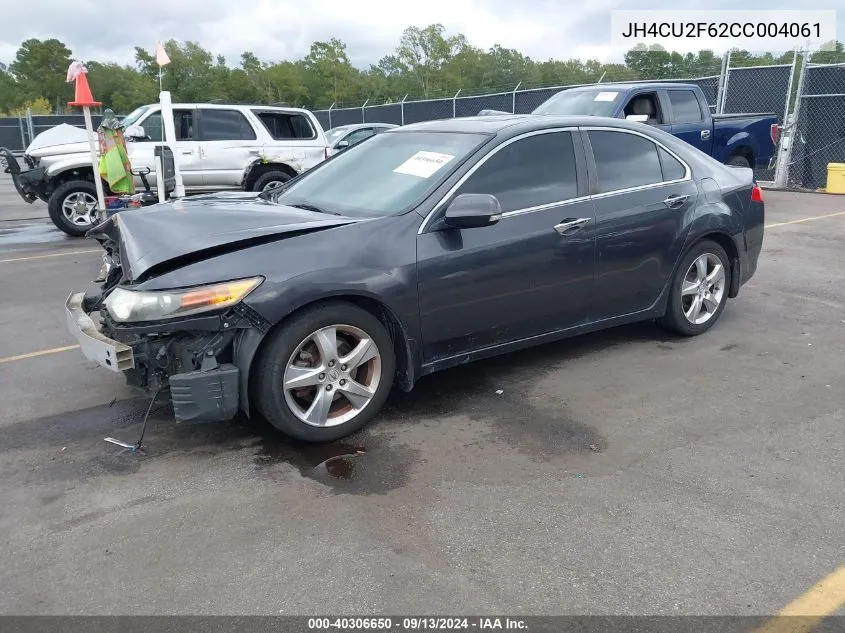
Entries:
{"x":398,"y":310}
{"x":72,"y":161}
{"x":280,"y":158}
{"x":742,"y":139}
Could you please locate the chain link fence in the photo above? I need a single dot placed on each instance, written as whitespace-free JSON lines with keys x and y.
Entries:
{"x":817,"y":136}
{"x":812,"y":136}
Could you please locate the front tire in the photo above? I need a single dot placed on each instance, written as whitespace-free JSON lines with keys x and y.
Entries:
{"x":699,"y":290}
{"x":739,"y":161}
{"x":73,"y":207}
{"x":325,"y":373}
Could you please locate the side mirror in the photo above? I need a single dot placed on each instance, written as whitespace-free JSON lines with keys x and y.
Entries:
{"x":343,"y":144}
{"x":639,"y":118}
{"x":134,"y":132}
{"x":473,"y":210}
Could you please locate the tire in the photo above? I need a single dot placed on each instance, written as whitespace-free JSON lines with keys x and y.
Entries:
{"x":62,"y":199}
{"x":739,"y":161}
{"x":291,"y":352}
{"x":686,"y":277}
{"x":269,"y":178}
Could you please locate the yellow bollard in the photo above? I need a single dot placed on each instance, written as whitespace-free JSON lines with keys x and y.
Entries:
{"x":835,"y":178}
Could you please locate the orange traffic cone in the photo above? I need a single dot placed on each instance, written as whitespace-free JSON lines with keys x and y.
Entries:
{"x":83,"y":95}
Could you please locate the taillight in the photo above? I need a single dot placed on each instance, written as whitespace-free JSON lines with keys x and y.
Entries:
{"x":774,"y":132}
{"x":756,"y":194}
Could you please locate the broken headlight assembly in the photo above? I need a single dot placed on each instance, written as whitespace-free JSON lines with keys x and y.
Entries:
{"x":129,"y":306}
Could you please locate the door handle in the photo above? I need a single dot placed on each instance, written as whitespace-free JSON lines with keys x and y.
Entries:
{"x":673,"y":201}
{"x":187,"y":153}
{"x":570,"y":225}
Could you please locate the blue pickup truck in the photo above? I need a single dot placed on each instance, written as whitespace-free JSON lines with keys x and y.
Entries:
{"x":744,"y":140}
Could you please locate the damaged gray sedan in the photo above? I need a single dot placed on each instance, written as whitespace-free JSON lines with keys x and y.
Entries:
{"x":428,"y":246}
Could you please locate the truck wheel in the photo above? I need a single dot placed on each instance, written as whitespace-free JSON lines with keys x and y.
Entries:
{"x":73,"y":207}
{"x":739,"y":161}
{"x":270,"y":179}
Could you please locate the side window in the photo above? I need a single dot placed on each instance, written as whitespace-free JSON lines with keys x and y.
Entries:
{"x":624,"y":160}
{"x":153,"y":128}
{"x":646,"y":104}
{"x":672,"y":167}
{"x":685,"y":106}
{"x":536,"y":170}
{"x":282,"y":125}
{"x":183,"y":122}
{"x":225,"y":125}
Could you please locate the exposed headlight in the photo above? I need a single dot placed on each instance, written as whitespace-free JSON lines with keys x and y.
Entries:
{"x":131,"y":305}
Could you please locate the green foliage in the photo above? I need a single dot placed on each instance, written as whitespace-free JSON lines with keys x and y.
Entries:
{"x":427,"y":63}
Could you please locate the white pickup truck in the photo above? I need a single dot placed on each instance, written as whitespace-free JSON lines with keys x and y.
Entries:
{"x":218,"y":147}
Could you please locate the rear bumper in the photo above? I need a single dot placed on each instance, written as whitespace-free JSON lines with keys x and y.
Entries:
{"x":207,"y":393}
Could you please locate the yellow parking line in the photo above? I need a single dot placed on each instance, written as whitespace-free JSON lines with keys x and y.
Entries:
{"x":43,"y":352}
{"x":818,"y":217}
{"x":23,"y":259}
{"x":823,"y":599}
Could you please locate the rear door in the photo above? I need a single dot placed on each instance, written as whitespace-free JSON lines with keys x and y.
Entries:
{"x":689,"y":123}
{"x":643,"y":196}
{"x":228,"y":143}
{"x":294,"y":138}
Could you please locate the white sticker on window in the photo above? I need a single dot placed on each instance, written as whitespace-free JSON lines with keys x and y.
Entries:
{"x":606,"y":96}
{"x":423,"y":164}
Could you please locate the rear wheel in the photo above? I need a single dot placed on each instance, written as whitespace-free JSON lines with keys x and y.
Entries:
{"x":699,"y":290}
{"x":739,"y":161}
{"x":325,"y":373}
{"x":270,"y":180}
{"x":73,"y":207}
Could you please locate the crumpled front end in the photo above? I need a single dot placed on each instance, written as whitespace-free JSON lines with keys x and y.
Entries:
{"x":190,"y":357}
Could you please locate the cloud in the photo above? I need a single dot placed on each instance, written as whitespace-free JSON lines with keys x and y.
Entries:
{"x":284,"y":29}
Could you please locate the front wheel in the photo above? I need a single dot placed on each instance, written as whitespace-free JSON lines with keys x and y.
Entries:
{"x":699,"y":290}
{"x":325,"y":373}
{"x":270,"y":180}
{"x":739,"y":161}
{"x":73,"y":207}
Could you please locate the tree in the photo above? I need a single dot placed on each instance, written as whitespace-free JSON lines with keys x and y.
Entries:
{"x":831,"y":53}
{"x":422,"y":54}
{"x":40,"y":68}
{"x":330,"y":75}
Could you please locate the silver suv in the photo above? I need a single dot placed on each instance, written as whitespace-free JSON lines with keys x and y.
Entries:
{"x":218,"y":147}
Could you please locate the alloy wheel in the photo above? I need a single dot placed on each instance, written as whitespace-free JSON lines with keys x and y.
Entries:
{"x":80,"y":208}
{"x":332,"y":375}
{"x":703,"y":288}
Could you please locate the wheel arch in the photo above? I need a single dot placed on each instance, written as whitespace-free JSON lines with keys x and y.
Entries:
{"x":723,"y":239}
{"x":258,"y":168}
{"x":248,"y":346}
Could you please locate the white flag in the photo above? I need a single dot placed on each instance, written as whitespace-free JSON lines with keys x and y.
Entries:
{"x":161,"y":55}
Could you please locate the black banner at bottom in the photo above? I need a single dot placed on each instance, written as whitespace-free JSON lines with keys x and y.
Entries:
{"x":310,"y":624}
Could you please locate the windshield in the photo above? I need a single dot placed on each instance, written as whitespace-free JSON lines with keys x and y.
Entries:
{"x":598,"y":102}
{"x":336,"y":132}
{"x":388,"y":174}
{"x":132,"y":117}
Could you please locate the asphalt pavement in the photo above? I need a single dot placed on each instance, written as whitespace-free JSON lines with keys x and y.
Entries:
{"x":624,"y":472}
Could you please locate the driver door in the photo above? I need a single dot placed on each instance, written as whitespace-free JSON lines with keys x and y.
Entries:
{"x":186,"y":153}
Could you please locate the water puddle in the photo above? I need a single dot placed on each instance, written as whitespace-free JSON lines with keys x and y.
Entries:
{"x":40,"y":233}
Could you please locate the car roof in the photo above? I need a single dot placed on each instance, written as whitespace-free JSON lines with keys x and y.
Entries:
{"x":514,"y":124}
{"x":629,"y":86}
{"x":355,"y":126}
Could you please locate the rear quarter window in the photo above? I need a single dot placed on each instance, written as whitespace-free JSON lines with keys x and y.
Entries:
{"x":286,"y":126}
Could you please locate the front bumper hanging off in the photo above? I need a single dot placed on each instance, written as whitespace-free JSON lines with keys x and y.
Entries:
{"x":206,"y":393}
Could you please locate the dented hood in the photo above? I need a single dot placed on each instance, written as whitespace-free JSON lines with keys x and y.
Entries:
{"x":182,"y":232}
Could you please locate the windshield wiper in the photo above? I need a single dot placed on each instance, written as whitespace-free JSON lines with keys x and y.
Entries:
{"x":311,"y":207}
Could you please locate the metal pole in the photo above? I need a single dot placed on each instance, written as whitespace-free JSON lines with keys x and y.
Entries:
{"x":330,"y":114}
{"x":30,"y":125}
{"x":513,"y":98}
{"x":364,"y":118}
{"x":726,"y":74}
{"x":24,"y":144}
{"x":403,"y":109}
{"x":95,"y":163}
{"x":602,"y":77}
{"x":785,"y":157}
{"x":454,"y":103}
{"x":170,"y":137}
{"x":780,"y":174}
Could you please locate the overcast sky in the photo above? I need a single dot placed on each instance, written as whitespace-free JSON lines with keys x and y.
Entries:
{"x":284,"y":29}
